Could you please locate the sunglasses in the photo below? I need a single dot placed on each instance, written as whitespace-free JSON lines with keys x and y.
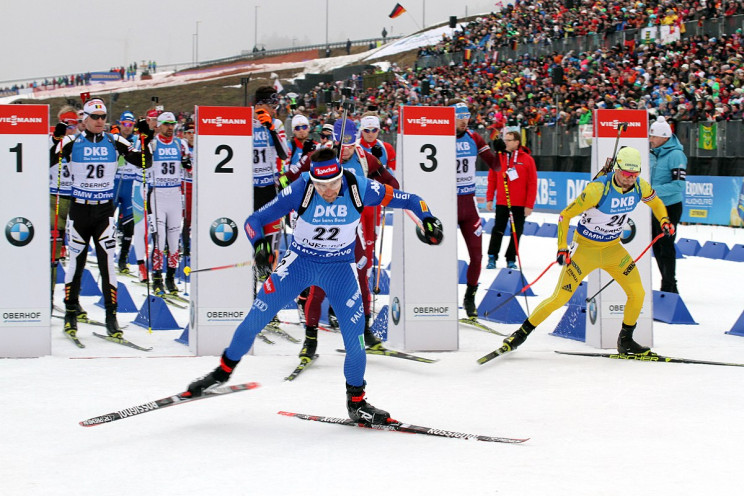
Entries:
{"x":97,"y":117}
{"x":373,"y":130}
{"x":326,"y":136}
{"x":127,"y":124}
{"x":301,"y":128}
{"x":628,"y":173}
{"x":462,"y":116}
{"x":272,"y":100}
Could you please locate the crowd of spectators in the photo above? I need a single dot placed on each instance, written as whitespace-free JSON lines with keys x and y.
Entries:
{"x":82,"y":79}
{"x":697,"y":78}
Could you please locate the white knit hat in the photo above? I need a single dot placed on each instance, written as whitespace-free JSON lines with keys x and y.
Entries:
{"x":660,"y":128}
{"x":299,"y":120}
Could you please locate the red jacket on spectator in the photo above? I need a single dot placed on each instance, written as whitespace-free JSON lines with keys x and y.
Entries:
{"x":523,"y":189}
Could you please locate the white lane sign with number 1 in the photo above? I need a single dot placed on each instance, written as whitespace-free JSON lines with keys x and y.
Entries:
{"x":25,"y":252}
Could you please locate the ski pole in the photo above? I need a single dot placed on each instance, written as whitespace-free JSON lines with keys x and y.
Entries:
{"x":56,"y":221}
{"x":415,"y":219}
{"x":514,"y":236}
{"x":588,"y":300}
{"x":485,"y":314}
{"x":147,"y":248}
{"x":187,"y":270}
{"x":379,"y":254}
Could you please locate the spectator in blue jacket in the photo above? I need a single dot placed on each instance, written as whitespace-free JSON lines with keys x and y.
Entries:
{"x":668,"y":170}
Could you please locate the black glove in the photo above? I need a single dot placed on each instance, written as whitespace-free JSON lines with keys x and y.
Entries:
{"x":563,"y":258}
{"x":264,"y":258}
{"x":186,"y":163}
{"x":432,"y":231}
{"x":145,"y":130}
{"x":376,"y":150}
{"x":308,"y":147}
{"x":498,"y":145}
{"x":59,"y":131}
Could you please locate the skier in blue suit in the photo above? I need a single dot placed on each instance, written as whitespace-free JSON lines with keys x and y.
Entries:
{"x":329,"y":202}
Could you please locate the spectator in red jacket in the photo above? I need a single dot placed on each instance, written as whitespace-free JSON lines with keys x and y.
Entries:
{"x":515,"y":185}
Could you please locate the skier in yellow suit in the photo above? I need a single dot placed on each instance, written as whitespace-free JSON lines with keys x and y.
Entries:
{"x":605,"y":204}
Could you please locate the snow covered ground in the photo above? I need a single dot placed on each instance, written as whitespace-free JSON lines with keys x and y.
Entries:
{"x":596,"y":426}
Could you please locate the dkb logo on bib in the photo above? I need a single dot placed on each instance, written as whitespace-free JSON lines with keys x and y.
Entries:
{"x":223,"y":231}
{"x":19,"y":231}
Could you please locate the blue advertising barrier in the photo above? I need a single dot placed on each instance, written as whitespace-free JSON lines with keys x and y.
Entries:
{"x":555,"y":190}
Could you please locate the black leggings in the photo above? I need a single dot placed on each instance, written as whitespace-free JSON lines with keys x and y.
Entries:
{"x":499,"y":226}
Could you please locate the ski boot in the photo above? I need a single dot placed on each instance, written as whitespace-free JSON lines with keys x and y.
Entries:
{"x":112,"y":325}
{"x":491,"y":262}
{"x":122,"y":264}
{"x":518,"y":337}
{"x":214,"y":379}
{"x":627,"y":346}
{"x":332,"y":320}
{"x":511,"y":265}
{"x":311,"y":343}
{"x":469,"y":302}
{"x":170,"y":283}
{"x":71,"y":322}
{"x":80,"y":312}
{"x":360,"y":410}
{"x":157,"y":283}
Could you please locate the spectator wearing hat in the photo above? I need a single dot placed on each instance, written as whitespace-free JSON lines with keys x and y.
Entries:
{"x":92,"y":156}
{"x":170,"y":156}
{"x":60,"y":187}
{"x":668,"y":165}
{"x":300,"y":144}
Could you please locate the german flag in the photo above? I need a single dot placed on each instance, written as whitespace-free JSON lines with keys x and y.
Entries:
{"x":398,"y":10}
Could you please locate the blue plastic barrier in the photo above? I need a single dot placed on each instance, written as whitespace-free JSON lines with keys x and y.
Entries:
{"x":124,"y":302}
{"x":488,"y":226}
{"x":547,"y":230}
{"x":738,"y":328}
{"x":573,"y":324}
{"x":384,"y":282}
{"x":60,"y":274}
{"x":380,"y":325}
{"x":88,"y":285}
{"x":462,"y":272}
{"x":688,"y":246}
{"x":530,"y":228}
{"x":669,"y":308}
{"x":184,"y":337}
{"x":714,"y":249}
{"x":507,"y":313}
{"x":162,"y":318}
{"x":736,"y":254}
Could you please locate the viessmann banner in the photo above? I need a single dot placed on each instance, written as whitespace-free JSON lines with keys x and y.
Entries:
{"x":555,"y":190}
